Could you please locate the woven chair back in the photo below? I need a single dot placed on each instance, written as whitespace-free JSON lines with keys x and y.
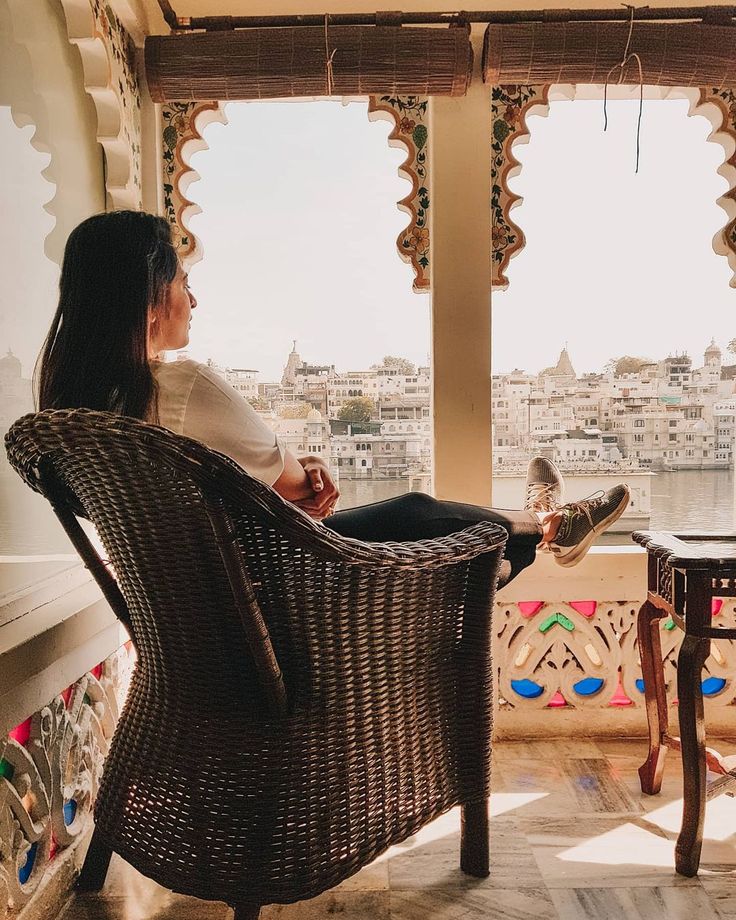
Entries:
{"x":225,"y":780}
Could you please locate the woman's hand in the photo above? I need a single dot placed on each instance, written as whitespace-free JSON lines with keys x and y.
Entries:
{"x":321,"y":503}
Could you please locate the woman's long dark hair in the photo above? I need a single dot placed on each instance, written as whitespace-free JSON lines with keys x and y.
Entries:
{"x":116,"y":267}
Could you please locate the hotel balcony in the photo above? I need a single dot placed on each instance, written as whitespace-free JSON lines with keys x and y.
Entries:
{"x":572,"y":834}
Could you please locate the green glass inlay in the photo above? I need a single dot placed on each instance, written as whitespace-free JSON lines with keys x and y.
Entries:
{"x":560,"y":618}
{"x":6,"y":769}
{"x":87,"y":700}
{"x":670,"y":624}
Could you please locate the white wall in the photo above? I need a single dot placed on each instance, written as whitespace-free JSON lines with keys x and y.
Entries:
{"x":52,"y":178}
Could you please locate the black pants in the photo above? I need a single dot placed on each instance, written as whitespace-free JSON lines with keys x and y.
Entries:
{"x":416,"y":516}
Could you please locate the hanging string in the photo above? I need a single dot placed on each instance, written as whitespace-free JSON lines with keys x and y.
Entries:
{"x":328,"y":58}
{"x":625,"y":60}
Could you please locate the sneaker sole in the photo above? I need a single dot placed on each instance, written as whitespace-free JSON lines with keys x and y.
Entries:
{"x":577,"y":552}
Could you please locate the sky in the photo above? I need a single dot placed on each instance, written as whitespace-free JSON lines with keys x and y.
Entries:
{"x":299,"y":221}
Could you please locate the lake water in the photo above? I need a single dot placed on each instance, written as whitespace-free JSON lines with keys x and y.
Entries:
{"x":686,"y":500}
{"x":693,"y":500}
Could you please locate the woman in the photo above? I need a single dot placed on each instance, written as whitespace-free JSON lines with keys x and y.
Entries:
{"x":125,"y":300}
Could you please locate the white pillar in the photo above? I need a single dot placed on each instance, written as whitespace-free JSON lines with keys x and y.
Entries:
{"x":460,"y":212}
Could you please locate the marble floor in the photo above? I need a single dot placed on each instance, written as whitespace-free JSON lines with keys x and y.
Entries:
{"x":572,"y":838}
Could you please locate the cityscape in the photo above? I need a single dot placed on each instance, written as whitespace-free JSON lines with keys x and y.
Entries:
{"x":666,"y":427}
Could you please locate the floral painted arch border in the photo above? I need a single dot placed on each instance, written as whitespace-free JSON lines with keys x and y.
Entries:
{"x":510,"y":106}
{"x":182,"y":124}
{"x":410,"y":117}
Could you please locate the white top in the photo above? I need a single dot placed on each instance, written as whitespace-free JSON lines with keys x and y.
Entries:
{"x":194,"y":401}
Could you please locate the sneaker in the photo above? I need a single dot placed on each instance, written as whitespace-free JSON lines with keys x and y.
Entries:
{"x":544,"y":486}
{"x":583,"y":521}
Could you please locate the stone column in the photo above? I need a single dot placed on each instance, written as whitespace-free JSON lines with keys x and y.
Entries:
{"x":460,"y":153}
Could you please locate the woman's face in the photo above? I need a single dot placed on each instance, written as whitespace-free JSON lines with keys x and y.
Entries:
{"x":169,"y":324}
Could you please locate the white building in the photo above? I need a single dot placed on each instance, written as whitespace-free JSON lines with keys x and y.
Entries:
{"x":244,"y":380}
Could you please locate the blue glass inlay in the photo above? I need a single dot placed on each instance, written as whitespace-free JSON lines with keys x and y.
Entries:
{"x":640,"y":685}
{"x":527,"y":688}
{"x":713,"y":685}
{"x":70,"y":811}
{"x":588,"y":686}
{"x":24,"y":873}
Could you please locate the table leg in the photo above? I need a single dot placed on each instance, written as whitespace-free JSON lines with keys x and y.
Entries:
{"x":655,"y":696}
{"x":690,"y":663}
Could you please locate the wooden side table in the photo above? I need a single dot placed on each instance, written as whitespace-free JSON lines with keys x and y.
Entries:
{"x":685,"y":573}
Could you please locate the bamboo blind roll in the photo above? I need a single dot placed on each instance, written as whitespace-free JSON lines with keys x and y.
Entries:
{"x":274,"y":63}
{"x":672,"y":54}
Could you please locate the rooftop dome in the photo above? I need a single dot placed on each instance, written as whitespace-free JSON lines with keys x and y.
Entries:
{"x":314,"y":415}
{"x":713,"y":349}
{"x":10,"y":366}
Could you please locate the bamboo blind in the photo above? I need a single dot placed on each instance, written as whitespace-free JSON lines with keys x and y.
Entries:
{"x":272,"y":63}
{"x":672,"y":54}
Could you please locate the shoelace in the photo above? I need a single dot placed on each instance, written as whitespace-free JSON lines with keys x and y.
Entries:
{"x":540,"y":497}
{"x":585,"y":506}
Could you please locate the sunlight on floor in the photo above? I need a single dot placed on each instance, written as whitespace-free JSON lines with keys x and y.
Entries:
{"x":572,"y":838}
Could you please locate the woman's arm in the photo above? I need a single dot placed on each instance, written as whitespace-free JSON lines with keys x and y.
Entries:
{"x":306,"y":481}
{"x":293,"y":484}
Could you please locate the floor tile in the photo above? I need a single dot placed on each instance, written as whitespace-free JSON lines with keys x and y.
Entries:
{"x":165,"y":907}
{"x":597,"y":786}
{"x":722,"y":895}
{"x":602,"y":852}
{"x":631,"y":903}
{"x":544,"y":783}
{"x":572,"y":837}
{"x":370,"y":878}
{"x":350,"y":905}
{"x":434,"y":866}
{"x":481,"y":903}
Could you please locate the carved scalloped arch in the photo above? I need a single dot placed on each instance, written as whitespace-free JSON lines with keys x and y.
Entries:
{"x":719,"y":107}
{"x":410,"y":118}
{"x":182,"y":124}
{"x":510,"y":106}
{"x":30,"y":109}
{"x":110,"y":79}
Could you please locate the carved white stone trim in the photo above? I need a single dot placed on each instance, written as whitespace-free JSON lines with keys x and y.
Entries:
{"x":29,"y":107}
{"x":551,"y":656}
{"x":719,"y":107}
{"x":182,"y":124}
{"x":49,"y":776}
{"x":110,"y":79}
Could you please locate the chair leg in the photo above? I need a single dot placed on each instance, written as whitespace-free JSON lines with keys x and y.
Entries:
{"x":655,"y":696}
{"x":247,"y":911}
{"x":690,"y":661}
{"x":96,"y":863}
{"x":474,"y":839}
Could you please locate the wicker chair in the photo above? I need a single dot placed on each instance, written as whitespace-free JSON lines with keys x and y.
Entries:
{"x":300,"y":701}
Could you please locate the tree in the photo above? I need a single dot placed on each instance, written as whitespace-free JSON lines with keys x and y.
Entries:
{"x":402,"y":365}
{"x":295,"y":410}
{"x":357,"y":410}
{"x":627,"y":364}
{"x":258,"y":402}
{"x":732,"y":346}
